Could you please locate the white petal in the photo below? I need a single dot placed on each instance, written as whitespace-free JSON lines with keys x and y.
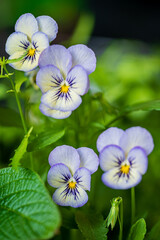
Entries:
{"x":78,"y":80}
{"x":58,"y":101}
{"x":84,"y":56}
{"x":138,"y":159}
{"x":58,"y":56}
{"x":112,"y":180}
{"x":40,"y":40}
{"x":48,"y":77}
{"x":53,"y":113}
{"x":58,"y":175}
{"x":83,"y":178}
{"x":66,"y":155}
{"x":15,"y":43}
{"x":137,"y":136}
{"x":111,"y":157}
{"x":48,"y":25}
{"x":88,"y":158}
{"x":110,"y":136}
{"x":70,"y":200}
{"x":27,"y":24}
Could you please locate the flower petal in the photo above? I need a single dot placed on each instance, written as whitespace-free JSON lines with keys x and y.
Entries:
{"x":27,"y":24}
{"x":48,"y":77}
{"x":111,"y":157}
{"x":73,"y":200}
{"x":138,"y":159}
{"x":78,"y":80}
{"x":15,"y":42}
{"x":84,"y":56}
{"x":110,"y":136}
{"x":66,"y":155}
{"x":111,"y":179}
{"x":60,"y":101}
{"x":137,"y":136}
{"x":40,"y":40}
{"x":48,"y":25}
{"x":53,"y":113}
{"x":58,"y":56}
{"x":58,"y":175}
{"x":88,"y":159}
{"x":83,"y":178}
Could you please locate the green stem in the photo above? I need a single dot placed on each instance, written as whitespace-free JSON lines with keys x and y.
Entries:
{"x":132,"y":205}
{"x":121,"y":222}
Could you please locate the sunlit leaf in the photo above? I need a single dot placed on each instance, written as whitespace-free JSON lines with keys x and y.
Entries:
{"x":26,"y":209}
{"x":138,"y":230}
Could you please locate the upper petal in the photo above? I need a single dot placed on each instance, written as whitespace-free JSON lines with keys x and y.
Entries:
{"x":49,"y":26}
{"x":58,"y":56}
{"x":58,"y":175}
{"x":16,"y":42}
{"x":66,"y":155}
{"x":110,"y":136}
{"x":138,"y":159}
{"x":84,"y":56}
{"x":78,"y":80}
{"x":137,"y":136}
{"x":88,"y":159}
{"x":83,"y":178}
{"x":111,"y":157}
{"x":61,"y":197}
{"x":27,"y":24}
{"x":48,"y":77}
{"x":53,"y":113}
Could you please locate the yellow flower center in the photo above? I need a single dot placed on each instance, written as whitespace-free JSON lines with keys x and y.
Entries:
{"x":31,"y":52}
{"x":72,"y":185}
{"x":64,"y":88}
{"x":125,"y":168}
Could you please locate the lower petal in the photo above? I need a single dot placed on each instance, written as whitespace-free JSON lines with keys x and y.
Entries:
{"x":53,"y":113}
{"x":74,"y":200}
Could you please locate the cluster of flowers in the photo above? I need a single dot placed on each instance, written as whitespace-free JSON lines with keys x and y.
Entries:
{"x":63,"y":74}
{"x":63,"y":78}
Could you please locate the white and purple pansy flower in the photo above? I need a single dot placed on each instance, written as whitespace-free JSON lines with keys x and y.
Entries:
{"x":32,"y":35}
{"x":63,"y":78}
{"x":70,"y":173}
{"x":123,"y":156}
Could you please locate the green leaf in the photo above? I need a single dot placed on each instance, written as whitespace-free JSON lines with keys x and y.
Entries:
{"x":68,"y":218}
{"x":19,"y":80}
{"x":9,"y":117}
{"x":92,"y":225}
{"x":146,"y":106}
{"x":44,"y":139}
{"x":26,"y":209}
{"x":19,"y":152}
{"x":138,"y":230}
{"x":154,"y":233}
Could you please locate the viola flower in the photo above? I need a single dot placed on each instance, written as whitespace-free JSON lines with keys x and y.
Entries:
{"x":70,"y":173}
{"x":63,"y":78}
{"x":123,"y":156}
{"x":32,"y":35}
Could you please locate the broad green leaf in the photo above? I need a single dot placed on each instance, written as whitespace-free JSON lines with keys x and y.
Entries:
{"x":138,"y":230}
{"x":9,"y":117}
{"x":44,"y":139}
{"x":154,"y":234}
{"x":19,"y":152}
{"x":146,"y":106}
{"x":26,"y":210}
{"x":91,"y":225}
{"x":20,"y":78}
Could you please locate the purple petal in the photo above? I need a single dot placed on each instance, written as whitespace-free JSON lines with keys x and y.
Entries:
{"x":53,"y":113}
{"x":66,"y":155}
{"x":58,"y":175}
{"x":138,"y":159}
{"x":58,"y":56}
{"x":111,"y":157}
{"x":137,"y":136}
{"x":83,"y":178}
{"x":84,"y":56}
{"x":110,"y":136}
{"x":88,"y":159}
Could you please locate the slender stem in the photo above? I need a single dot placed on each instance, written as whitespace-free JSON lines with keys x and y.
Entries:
{"x":121,"y":222}
{"x":132,"y":205}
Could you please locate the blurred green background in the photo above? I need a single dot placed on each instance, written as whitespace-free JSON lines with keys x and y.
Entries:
{"x":128,"y":72}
